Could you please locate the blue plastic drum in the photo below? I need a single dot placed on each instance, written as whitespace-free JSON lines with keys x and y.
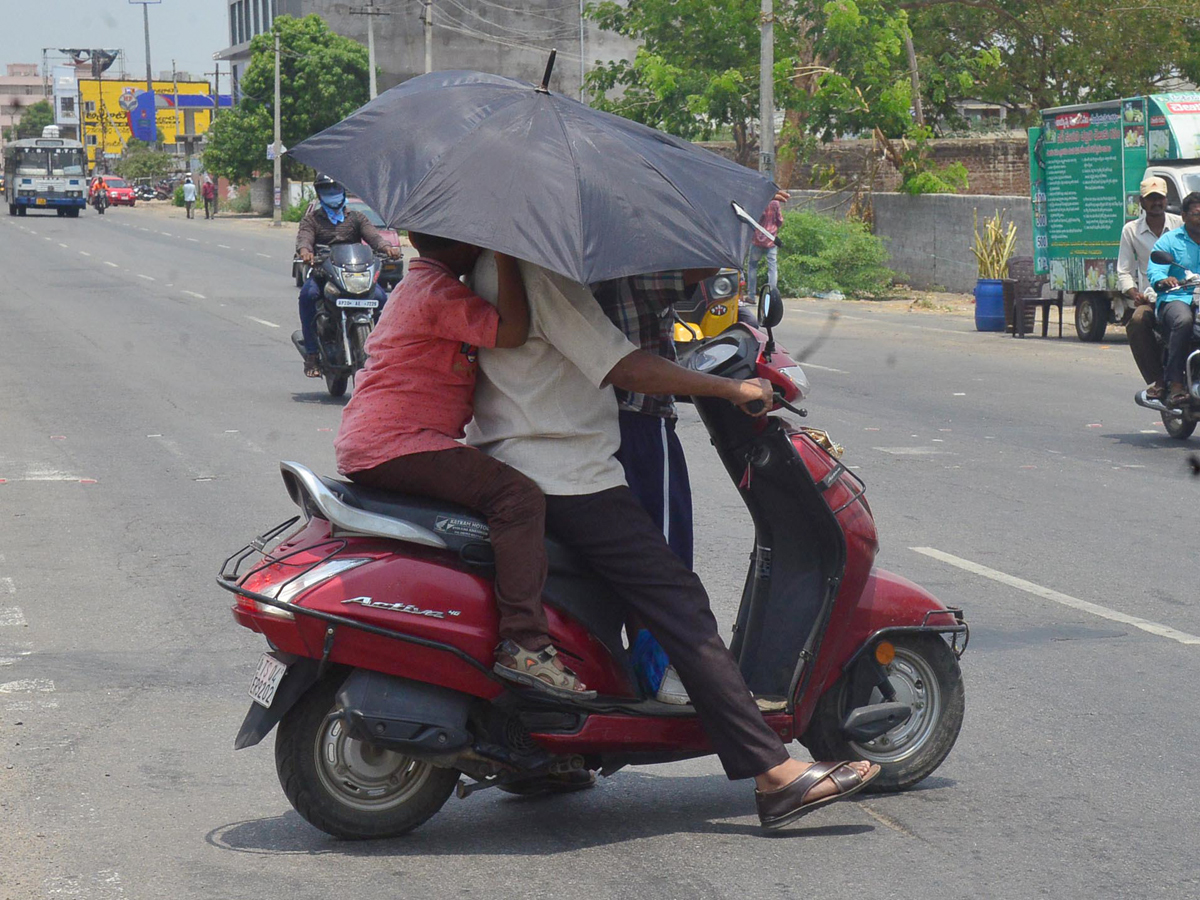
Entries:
{"x":989,"y":304}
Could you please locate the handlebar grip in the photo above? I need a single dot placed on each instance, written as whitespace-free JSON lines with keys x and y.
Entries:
{"x":754,"y":407}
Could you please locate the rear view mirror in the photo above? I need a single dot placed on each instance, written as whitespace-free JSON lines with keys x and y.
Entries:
{"x":770,"y":307}
{"x":1162,"y":257}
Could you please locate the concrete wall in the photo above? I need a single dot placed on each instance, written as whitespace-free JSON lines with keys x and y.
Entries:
{"x":506,"y":39}
{"x":929,"y":236}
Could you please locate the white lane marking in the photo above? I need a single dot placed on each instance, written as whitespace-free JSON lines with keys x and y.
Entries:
{"x":38,"y":473}
{"x":12,"y":617}
{"x":167,"y":233}
{"x":1065,"y":599}
{"x":147,"y":277}
{"x":28,"y":706}
{"x":64,"y":246}
{"x":264,"y":255}
{"x":224,"y":247}
{"x":28,"y":686}
{"x":809,"y":365}
{"x":194,"y":240}
{"x":262,"y":322}
{"x":31,"y":231}
{"x":113,"y":264}
{"x":48,"y":239}
{"x":7,"y":586}
{"x":194,"y":294}
{"x":84,"y":253}
{"x":912,"y":451}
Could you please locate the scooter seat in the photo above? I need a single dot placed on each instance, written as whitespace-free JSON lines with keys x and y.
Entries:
{"x":464,"y":530}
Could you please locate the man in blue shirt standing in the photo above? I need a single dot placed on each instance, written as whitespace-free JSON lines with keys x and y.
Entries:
{"x":1175,"y":309}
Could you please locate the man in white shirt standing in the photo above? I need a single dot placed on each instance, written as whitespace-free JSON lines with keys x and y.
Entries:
{"x":189,"y":195}
{"x":548,"y":409}
{"x":1137,"y":240}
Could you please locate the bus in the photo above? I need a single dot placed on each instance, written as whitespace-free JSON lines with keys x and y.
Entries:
{"x":45,"y":173}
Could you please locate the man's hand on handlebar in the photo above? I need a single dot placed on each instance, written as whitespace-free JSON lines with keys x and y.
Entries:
{"x":393,"y":252}
{"x":754,"y":396}
{"x":306,"y":255}
{"x":1169,"y":283}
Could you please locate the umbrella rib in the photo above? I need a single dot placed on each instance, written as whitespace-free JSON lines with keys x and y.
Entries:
{"x":575,"y":166}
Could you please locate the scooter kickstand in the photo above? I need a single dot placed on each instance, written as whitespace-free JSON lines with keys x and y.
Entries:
{"x":465,"y":789}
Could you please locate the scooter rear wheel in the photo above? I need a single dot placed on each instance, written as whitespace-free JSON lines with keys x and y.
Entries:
{"x":348,"y":788}
{"x":926,"y":676}
{"x":1180,"y":429}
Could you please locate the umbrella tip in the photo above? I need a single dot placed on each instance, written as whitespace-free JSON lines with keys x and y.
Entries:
{"x":544,"y":87}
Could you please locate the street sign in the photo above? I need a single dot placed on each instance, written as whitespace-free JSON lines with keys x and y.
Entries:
{"x":271,"y":149}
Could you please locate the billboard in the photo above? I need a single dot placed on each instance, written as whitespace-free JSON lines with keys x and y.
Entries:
{"x":112,"y":111}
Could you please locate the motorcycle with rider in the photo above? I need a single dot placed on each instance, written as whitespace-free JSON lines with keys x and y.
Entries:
{"x":330,"y":224}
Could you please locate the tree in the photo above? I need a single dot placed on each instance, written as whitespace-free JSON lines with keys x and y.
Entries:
{"x":144,"y":161}
{"x":696,"y":72}
{"x":1058,"y":53}
{"x":324,"y":78}
{"x":36,"y":117}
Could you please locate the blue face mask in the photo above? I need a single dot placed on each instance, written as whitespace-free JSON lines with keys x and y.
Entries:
{"x":332,"y":199}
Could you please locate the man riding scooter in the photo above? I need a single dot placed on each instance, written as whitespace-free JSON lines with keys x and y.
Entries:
{"x":1175,"y":308}
{"x":329,"y":223}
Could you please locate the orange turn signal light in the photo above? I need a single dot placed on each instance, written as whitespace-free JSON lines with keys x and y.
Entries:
{"x":885,"y":652}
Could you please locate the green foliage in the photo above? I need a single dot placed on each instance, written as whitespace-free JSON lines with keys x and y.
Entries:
{"x":919,"y":175}
{"x":696,"y":71}
{"x":324,"y":78}
{"x":240,"y":203}
{"x":143,"y":161}
{"x":295,"y":213}
{"x":36,"y":117}
{"x":177,"y":198}
{"x":1052,"y":54}
{"x":821,"y":253}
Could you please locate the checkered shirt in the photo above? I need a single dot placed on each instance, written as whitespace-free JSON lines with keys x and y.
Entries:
{"x":640,"y":306}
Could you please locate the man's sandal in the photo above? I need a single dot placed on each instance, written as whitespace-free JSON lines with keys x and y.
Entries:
{"x":779,"y":807}
{"x":312,"y":366}
{"x":1178,"y":400}
{"x":1156,"y":392}
{"x":535,"y":669}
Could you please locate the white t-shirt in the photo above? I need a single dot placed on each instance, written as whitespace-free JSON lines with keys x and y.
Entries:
{"x":540,"y":407}
{"x":189,"y":192}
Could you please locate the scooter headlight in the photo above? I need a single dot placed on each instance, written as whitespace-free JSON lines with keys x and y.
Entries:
{"x":796,"y":376}
{"x":357,"y":282}
{"x":723,"y":286}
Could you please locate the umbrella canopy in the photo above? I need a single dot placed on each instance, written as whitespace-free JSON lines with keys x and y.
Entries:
{"x":497,"y":162}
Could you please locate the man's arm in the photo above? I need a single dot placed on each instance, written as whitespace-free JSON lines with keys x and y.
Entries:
{"x":371,"y":235}
{"x":306,"y":238}
{"x":1127,"y":266}
{"x":1159,"y":275}
{"x":645,"y":373}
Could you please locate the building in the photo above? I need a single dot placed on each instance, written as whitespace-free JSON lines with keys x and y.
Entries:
{"x":21,"y":86}
{"x":497,"y":36}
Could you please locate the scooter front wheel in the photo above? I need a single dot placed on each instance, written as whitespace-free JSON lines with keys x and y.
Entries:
{"x":349,"y":788}
{"x":926,"y":677}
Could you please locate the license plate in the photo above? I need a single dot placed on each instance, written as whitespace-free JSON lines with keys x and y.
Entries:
{"x":41,"y":201}
{"x":266,"y":680}
{"x":357,"y":303}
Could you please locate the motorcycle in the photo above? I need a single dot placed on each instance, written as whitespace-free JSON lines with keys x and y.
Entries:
{"x":1179,"y":422}
{"x":379,"y":615}
{"x":346,"y":312}
{"x":100,"y":200}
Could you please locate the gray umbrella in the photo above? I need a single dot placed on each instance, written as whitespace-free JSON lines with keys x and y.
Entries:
{"x":500,"y":163}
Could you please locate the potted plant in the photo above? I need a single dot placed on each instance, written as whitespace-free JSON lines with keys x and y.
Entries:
{"x":993,"y":248}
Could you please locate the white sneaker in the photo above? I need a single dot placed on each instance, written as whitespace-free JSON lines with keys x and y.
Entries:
{"x":672,"y":690}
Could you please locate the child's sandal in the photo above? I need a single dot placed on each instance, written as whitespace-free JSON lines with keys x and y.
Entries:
{"x":536,"y":669}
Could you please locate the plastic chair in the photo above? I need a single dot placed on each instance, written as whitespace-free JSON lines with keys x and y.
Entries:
{"x":1023,"y":303}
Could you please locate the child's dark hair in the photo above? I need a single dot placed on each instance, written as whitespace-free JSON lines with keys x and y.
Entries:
{"x":431,"y":243}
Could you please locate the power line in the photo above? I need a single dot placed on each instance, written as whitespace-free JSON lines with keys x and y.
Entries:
{"x":463,"y":28}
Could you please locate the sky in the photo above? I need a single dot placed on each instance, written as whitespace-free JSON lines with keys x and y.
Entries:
{"x":189,"y":31}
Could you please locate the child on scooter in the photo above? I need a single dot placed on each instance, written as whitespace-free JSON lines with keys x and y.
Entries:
{"x":400,"y":432}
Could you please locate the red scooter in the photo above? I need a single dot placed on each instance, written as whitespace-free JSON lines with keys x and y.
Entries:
{"x":379,"y":612}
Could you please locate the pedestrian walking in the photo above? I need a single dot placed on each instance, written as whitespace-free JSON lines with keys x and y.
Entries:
{"x":760,"y":244}
{"x":189,"y":196}
{"x":208,"y":191}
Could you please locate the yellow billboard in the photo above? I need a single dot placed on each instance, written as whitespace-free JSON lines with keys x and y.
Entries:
{"x":109,"y":111}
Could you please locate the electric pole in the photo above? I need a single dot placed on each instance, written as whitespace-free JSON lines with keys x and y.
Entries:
{"x":428,"y":4}
{"x":175,"y":82}
{"x":216,"y":74}
{"x":766,"y":92}
{"x":370,"y":12}
{"x":581,"y":40}
{"x":146,"y":25}
{"x":277,"y":219}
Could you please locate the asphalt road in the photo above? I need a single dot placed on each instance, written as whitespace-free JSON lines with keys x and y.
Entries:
{"x":149,"y":390}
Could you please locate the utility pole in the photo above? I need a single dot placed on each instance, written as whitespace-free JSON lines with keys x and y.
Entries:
{"x":216,"y":74}
{"x":915,"y":75}
{"x":146,"y":25}
{"x":766,"y":92}
{"x":428,"y":4}
{"x":175,"y":81}
{"x":277,"y":220}
{"x":581,"y":40}
{"x":370,"y":12}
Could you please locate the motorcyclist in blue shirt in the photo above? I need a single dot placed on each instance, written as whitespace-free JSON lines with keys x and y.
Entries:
{"x":1175,"y":309}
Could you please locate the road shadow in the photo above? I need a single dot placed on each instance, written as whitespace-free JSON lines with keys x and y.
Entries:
{"x":544,"y":826}
{"x":319,"y":398}
{"x":1159,"y":441}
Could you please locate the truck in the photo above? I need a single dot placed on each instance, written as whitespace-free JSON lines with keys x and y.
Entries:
{"x":1086,"y":164}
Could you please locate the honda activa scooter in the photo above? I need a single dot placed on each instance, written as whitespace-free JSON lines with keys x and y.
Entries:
{"x":381,"y":620}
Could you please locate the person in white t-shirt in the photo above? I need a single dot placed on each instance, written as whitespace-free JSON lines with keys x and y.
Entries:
{"x":548,"y":409}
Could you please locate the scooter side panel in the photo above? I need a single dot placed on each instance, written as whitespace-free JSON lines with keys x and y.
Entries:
{"x":887,"y":601}
{"x":645,"y":734}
